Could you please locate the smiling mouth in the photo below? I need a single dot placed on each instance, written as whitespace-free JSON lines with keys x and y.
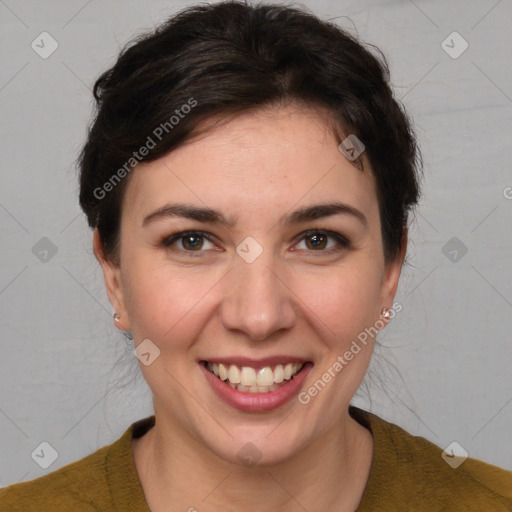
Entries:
{"x":255,"y":380}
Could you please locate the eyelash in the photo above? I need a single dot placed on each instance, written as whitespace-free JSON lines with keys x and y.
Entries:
{"x":343,"y":243}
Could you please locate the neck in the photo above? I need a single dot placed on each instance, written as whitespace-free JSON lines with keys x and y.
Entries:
{"x":330,"y":474}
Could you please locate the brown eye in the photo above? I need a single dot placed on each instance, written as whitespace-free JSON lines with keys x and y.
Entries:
{"x":188,"y":241}
{"x":318,"y":241}
{"x":323,"y":241}
{"x":192,"y":242}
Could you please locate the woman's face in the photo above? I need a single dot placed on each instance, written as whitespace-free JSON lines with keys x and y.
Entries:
{"x":261,"y":292}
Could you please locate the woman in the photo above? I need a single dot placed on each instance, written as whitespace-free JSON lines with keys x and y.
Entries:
{"x":249,"y":179}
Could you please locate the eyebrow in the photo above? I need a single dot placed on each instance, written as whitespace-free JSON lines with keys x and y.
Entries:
{"x":305,"y":214}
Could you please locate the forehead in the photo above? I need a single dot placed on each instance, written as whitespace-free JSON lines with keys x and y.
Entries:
{"x":260,"y":162}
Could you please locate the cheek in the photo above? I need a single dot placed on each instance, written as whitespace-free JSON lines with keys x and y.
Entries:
{"x":345,"y":299}
{"x":167,"y":304}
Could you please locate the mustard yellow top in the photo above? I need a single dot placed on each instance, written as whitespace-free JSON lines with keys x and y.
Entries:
{"x":408,"y":474}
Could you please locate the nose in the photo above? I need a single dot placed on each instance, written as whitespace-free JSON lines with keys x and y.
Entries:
{"x":257,"y":301}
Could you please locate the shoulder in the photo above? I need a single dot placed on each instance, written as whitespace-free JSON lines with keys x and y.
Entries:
{"x":79,"y":486}
{"x":456,"y":481}
{"x":412,"y":472}
{"x":104,"y":480}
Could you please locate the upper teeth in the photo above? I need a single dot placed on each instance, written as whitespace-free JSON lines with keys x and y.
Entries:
{"x":248,"y":376}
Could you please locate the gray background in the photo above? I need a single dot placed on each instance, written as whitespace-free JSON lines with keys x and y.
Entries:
{"x":67,"y":376}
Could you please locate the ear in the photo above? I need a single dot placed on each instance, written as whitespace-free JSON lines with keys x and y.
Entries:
{"x":392,"y":273}
{"x":113,"y":283}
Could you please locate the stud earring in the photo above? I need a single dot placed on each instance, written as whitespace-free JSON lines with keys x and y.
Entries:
{"x":385,"y":314}
{"x":116,"y":317}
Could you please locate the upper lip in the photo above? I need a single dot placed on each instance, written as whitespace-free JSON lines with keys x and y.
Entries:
{"x":256,"y":363}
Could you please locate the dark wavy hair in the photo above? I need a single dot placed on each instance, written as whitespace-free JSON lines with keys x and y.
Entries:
{"x":229,"y":58}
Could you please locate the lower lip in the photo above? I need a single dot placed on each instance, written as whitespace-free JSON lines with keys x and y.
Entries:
{"x":257,"y":402}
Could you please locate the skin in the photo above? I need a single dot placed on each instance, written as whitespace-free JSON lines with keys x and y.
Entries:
{"x":294,"y":299}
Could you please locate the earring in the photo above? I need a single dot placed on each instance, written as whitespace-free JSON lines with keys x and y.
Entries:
{"x":116,"y":317}
{"x":385,"y":314}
